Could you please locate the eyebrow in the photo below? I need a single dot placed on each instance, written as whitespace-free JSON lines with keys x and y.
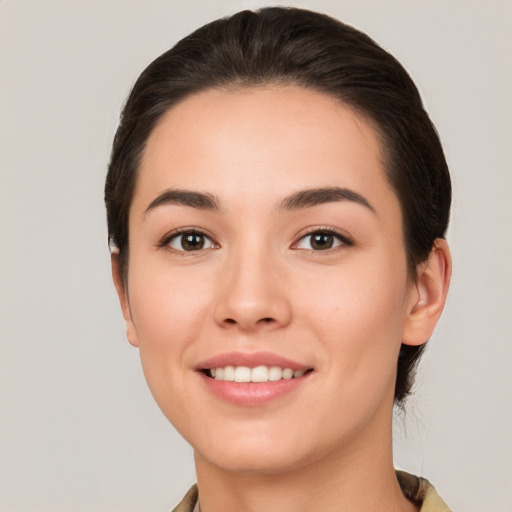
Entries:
{"x":298,"y":200}
{"x":185,"y":198}
{"x":317,"y":196}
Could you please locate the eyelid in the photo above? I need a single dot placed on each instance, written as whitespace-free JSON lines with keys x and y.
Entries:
{"x":167,"y":238}
{"x":344,"y":237}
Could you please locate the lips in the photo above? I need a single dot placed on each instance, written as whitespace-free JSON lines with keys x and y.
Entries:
{"x":251,"y":360}
{"x":251,"y":379}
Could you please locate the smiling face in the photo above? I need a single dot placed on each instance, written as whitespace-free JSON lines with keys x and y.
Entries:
{"x":264,"y":234}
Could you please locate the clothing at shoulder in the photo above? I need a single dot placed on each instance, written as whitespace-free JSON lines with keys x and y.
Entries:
{"x":418,"y":490}
{"x":421,"y":492}
{"x":189,"y":503}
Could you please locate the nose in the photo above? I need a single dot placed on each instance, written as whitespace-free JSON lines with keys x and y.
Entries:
{"x":252,"y":295}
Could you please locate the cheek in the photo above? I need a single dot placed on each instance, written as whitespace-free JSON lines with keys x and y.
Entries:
{"x":355,"y":297}
{"x":358,"y":314}
{"x":168,"y":312}
{"x":165,"y":312}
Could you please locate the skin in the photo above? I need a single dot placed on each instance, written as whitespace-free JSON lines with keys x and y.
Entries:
{"x":259,"y":285}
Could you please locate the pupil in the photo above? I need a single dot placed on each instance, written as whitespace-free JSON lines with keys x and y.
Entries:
{"x":192,"y":242}
{"x":322,"y":241}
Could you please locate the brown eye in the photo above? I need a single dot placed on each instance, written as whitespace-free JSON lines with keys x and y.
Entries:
{"x":190,"y":241}
{"x":322,"y":241}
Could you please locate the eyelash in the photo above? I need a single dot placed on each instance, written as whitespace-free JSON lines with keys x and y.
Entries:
{"x":342,"y":239}
{"x":166,"y":241}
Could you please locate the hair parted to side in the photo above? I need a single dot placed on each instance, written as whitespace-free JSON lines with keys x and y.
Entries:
{"x":289,"y":46}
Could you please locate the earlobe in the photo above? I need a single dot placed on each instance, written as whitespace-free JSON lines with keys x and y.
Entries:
{"x":122,"y":293}
{"x":427,"y":303}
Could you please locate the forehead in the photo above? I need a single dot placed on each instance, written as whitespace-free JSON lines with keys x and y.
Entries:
{"x":268,"y":141}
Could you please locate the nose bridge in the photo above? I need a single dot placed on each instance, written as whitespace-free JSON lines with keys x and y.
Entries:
{"x":251,"y":295}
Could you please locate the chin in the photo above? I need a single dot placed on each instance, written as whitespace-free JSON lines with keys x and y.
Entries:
{"x":242,"y":460}
{"x":265,"y":453}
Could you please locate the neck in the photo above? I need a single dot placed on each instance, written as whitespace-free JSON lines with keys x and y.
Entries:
{"x":360,"y":477}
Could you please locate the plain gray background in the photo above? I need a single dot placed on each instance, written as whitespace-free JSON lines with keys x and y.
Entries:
{"x":79,"y":430}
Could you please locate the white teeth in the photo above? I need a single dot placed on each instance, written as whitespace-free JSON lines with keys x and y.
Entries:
{"x":275,"y":373}
{"x":287,"y":373}
{"x":229,"y":373}
{"x":257,"y":374}
{"x":242,"y":374}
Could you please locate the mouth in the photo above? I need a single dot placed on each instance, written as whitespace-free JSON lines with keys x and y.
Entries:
{"x":261,"y":373}
{"x":252,"y":379}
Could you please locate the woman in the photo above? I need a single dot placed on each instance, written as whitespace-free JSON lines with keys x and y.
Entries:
{"x":277,"y":201}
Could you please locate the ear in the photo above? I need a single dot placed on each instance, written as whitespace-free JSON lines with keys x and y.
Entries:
{"x":429,"y":297}
{"x":122,"y":293}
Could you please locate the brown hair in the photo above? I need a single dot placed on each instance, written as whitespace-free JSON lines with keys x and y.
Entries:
{"x":295,"y":46}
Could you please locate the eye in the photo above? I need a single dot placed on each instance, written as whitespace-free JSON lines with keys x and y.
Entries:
{"x":188,"y":241}
{"x":322,"y":240}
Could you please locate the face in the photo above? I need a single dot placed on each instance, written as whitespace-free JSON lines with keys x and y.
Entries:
{"x":266,"y":245}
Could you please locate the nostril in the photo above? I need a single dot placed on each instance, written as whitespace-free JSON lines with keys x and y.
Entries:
{"x":266,"y":320}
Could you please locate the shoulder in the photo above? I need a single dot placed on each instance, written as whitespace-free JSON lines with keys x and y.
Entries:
{"x":419,"y":490}
{"x":188,"y":503}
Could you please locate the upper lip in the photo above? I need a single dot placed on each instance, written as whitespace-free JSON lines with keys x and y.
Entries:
{"x":250,"y":359}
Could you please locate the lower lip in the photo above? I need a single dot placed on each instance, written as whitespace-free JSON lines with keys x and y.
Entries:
{"x":252,"y":393}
